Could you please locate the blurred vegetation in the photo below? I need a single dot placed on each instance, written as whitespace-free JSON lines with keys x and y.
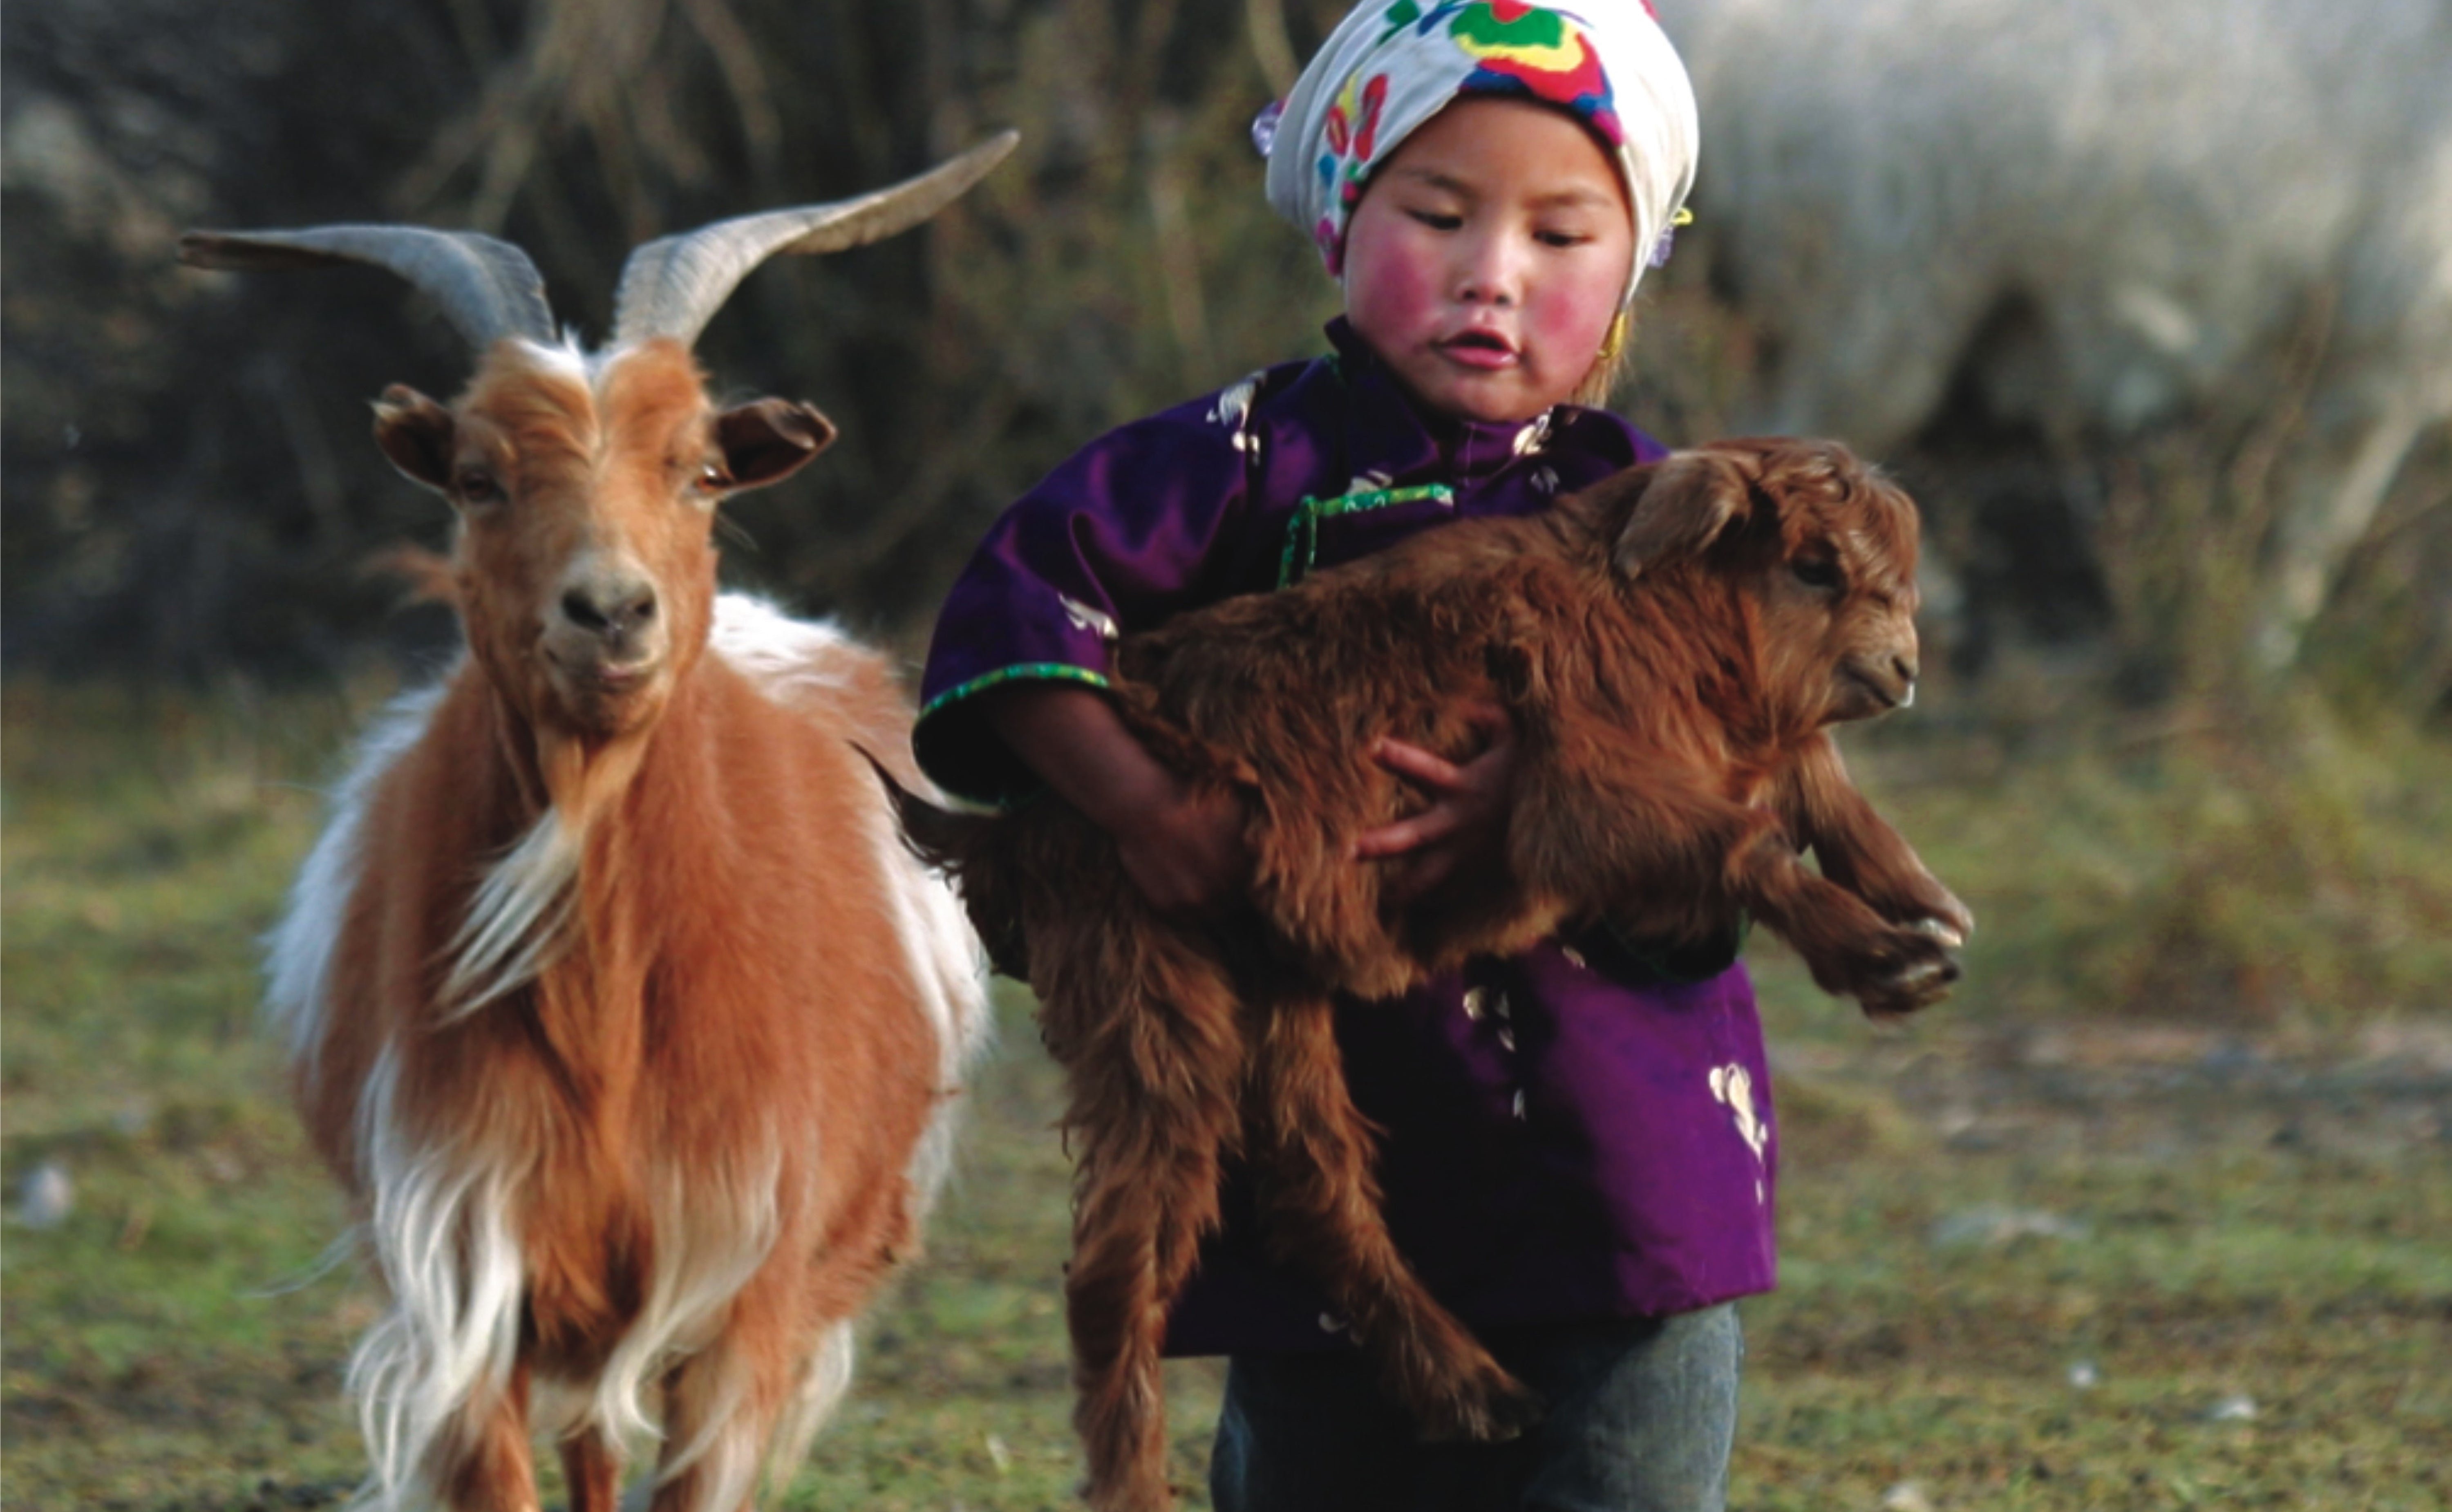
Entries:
{"x":188,"y":488}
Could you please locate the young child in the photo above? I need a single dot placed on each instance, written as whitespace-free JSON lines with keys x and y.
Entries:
{"x":1578,"y":1156}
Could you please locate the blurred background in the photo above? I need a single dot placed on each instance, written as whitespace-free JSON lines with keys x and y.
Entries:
{"x":2150,"y":306}
{"x":2162,"y":328}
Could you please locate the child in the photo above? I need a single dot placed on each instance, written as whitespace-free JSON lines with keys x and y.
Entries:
{"x":1578,"y":1157}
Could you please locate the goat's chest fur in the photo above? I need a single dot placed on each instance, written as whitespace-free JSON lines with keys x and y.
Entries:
{"x":725,"y":1040}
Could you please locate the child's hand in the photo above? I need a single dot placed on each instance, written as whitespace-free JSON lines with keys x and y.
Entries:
{"x":1466,"y":824}
{"x":1183,"y":849}
{"x":1187,"y":853}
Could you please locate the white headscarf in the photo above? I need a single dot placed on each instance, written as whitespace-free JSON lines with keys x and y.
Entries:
{"x":1391,"y":64}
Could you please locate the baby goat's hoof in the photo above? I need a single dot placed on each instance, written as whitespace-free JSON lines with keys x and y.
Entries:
{"x":1918,"y":986}
{"x":1942,"y":929}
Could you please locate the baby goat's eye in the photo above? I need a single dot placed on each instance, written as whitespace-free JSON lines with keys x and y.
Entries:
{"x":711,"y":480}
{"x":1816,"y":572}
{"x":476,"y":487}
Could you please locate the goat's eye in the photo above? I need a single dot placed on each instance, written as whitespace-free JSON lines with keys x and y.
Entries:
{"x":476,"y":487}
{"x":1816,"y":572}
{"x":711,"y":480}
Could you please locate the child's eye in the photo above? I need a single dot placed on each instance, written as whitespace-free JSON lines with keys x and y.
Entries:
{"x":1437,"y":220}
{"x":1560,"y":238}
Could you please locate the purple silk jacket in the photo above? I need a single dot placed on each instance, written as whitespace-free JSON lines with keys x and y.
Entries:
{"x":1584,"y":1131}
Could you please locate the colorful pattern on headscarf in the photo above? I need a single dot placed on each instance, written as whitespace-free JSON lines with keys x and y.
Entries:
{"x":1390,"y":67}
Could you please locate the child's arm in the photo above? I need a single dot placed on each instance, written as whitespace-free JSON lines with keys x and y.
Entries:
{"x":1185,"y":849}
{"x":1466,"y":824}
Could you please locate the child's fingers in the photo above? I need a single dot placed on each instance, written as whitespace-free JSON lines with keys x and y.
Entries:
{"x":1426,"y":767}
{"x":1427,"y":827}
{"x":1494,"y":725}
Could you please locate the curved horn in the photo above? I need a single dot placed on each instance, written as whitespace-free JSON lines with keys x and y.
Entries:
{"x":673,"y":286}
{"x":487,"y":289}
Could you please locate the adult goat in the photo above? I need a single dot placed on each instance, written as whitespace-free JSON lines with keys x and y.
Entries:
{"x":610,"y":996}
{"x":1671,"y":644}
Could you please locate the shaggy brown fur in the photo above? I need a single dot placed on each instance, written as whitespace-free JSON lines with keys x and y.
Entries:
{"x":1671,"y":646}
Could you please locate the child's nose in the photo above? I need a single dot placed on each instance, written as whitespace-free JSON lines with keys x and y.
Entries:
{"x":1489,"y":270}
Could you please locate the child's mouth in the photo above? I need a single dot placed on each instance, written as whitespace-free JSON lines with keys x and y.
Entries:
{"x":1486,"y":349}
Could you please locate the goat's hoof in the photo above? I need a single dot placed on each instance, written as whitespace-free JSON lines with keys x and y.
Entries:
{"x":1942,"y":929}
{"x":1913,"y":986}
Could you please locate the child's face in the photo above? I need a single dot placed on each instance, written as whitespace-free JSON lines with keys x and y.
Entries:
{"x":1485,"y":261}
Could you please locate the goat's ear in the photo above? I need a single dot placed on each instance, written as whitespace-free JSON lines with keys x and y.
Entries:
{"x":1690,"y":498}
{"x":415,"y":432}
{"x":1514,"y":657}
{"x":768,"y":439}
{"x":1516,"y":670}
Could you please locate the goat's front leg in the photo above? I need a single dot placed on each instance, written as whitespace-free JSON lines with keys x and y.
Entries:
{"x":721,"y":1404}
{"x":485,"y":1463}
{"x":1851,"y":949}
{"x":1858,"y":849}
{"x":1613,"y":821}
{"x":1322,"y":1204}
{"x":591,"y":1472}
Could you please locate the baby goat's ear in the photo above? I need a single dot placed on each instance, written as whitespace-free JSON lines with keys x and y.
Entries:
{"x":1690,"y":497}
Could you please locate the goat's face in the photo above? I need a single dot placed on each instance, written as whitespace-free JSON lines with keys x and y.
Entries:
{"x":1824,"y":549}
{"x":586,"y":491}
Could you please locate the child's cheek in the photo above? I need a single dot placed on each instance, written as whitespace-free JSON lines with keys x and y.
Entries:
{"x":1570,"y":326}
{"x":1392,"y":290}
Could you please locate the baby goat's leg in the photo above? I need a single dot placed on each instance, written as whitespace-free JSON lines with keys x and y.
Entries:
{"x":1154,"y":1063}
{"x":1857,"y":848}
{"x":1323,"y":1204}
{"x":1888,"y":968}
{"x":1618,"y":822}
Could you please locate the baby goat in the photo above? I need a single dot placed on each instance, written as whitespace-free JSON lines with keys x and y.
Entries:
{"x":611,"y":997}
{"x":1673,"y":645}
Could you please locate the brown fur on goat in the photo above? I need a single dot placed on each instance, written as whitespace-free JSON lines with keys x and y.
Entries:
{"x":1671,"y":644}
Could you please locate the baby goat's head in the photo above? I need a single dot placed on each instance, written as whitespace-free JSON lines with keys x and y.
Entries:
{"x":1822,"y":549}
{"x":587,"y":484}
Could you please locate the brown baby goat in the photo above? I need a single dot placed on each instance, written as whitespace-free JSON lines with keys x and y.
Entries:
{"x":1673,"y":645}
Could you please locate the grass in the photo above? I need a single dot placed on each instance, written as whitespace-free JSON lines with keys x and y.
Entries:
{"x":2232,"y":1224}
{"x":2282,"y":868}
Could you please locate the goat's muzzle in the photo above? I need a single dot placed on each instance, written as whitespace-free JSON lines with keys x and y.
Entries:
{"x":1871,"y":686}
{"x":607,"y":646}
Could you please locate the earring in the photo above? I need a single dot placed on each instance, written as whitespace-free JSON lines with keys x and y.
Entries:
{"x":1614,"y":341}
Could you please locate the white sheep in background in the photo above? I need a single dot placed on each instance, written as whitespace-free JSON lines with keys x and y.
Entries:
{"x":2109,"y":216}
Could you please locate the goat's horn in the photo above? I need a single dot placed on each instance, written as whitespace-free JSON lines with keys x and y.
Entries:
{"x":487,"y":289}
{"x":673,"y":286}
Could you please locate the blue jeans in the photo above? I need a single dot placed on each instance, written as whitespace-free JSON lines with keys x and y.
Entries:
{"x":1642,"y":1413}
